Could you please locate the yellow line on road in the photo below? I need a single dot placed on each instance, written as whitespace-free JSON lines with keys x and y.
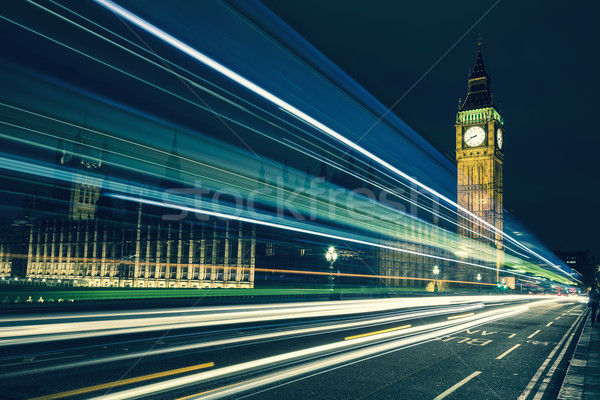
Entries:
{"x":501,"y":356}
{"x":376,"y":333}
{"x":533,"y":334}
{"x":124,"y":382}
{"x":461,"y":316}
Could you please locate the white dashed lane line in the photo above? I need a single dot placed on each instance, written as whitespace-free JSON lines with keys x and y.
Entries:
{"x":549,"y":323}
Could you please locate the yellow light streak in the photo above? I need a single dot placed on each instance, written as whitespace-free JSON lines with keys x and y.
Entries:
{"x":377,"y":332}
{"x":461,"y":316}
{"x":124,"y":382}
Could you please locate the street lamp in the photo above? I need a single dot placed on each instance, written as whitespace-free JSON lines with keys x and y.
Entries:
{"x":331,"y":256}
{"x":478,"y":277}
{"x":436,"y":271}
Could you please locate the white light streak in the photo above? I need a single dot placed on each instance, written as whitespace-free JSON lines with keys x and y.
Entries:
{"x":209,"y":62}
{"x":434,"y":331}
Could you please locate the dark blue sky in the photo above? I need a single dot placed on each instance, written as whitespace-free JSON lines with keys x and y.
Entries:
{"x":544,"y":68}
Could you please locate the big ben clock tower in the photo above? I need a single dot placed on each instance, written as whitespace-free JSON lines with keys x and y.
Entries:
{"x":480,"y":158}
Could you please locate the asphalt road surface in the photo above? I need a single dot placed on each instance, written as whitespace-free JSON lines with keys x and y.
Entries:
{"x":504,"y":347}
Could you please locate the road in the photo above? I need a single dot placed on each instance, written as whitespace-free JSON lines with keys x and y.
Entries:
{"x":481,"y":347}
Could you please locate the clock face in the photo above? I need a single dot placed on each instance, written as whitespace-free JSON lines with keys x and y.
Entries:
{"x":474,"y":136}
{"x":499,"y":138}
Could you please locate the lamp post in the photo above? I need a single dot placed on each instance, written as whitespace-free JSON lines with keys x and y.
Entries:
{"x":478,"y":280}
{"x":436,"y":271}
{"x":331,"y":256}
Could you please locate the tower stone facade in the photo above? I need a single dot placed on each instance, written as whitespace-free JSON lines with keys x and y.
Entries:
{"x":480,"y":159}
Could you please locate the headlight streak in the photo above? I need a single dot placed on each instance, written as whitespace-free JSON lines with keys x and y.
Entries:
{"x":296,"y":226}
{"x":155,"y":64}
{"x":301,"y":230}
{"x":321,"y":327}
{"x":211,"y":92}
{"x":461,"y":316}
{"x":122,"y":187}
{"x":207,"y":90}
{"x":339,"y":167}
{"x":221,"y":116}
{"x":153,"y":30}
{"x":436,"y":330}
{"x":374,"y":183}
{"x":146,"y":147}
{"x":23,"y":334}
{"x":147,"y":82}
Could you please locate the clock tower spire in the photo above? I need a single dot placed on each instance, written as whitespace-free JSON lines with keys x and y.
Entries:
{"x":480,"y":159}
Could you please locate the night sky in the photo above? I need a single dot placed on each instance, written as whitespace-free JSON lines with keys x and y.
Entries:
{"x":541,"y":56}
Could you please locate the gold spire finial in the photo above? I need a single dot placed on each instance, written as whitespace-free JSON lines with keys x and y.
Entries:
{"x":479,"y":40}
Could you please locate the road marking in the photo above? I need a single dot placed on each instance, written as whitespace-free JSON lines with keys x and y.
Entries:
{"x":501,"y":356}
{"x":533,"y":334}
{"x":467,"y":340}
{"x":542,"y":367}
{"x":459,"y":384}
{"x":124,"y":382}
{"x":552,"y":370}
{"x":556,"y":318}
{"x":549,"y":323}
{"x":376,"y":333}
{"x":512,"y":335}
{"x":461,"y":316}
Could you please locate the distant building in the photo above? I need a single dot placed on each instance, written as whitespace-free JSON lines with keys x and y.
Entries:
{"x":88,"y":239}
{"x":582,"y":262}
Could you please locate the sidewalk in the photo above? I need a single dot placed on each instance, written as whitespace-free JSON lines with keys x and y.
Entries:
{"x":583,"y":376}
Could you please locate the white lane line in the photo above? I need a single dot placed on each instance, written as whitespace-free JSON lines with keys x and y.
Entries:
{"x":533,"y":334}
{"x":549,"y":323}
{"x":552,"y":369}
{"x":512,"y":335}
{"x":501,"y":356}
{"x":556,"y":318}
{"x":459,"y":384}
{"x":542,"y":367}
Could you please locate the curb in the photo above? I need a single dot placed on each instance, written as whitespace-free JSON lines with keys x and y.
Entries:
{"x":572,"y":387}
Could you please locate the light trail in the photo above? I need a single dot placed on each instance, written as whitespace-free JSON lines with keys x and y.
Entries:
{"x":49,"y":331}
{"x":322,"y":202}
{"x":429,"y":332}
{"x":468,"y":228}
{"x":234,"y":214}
{"x":167,"y":38}
{"x":254,"y":338}
{"x":373,"y":226}
{"x":303,"y":230}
